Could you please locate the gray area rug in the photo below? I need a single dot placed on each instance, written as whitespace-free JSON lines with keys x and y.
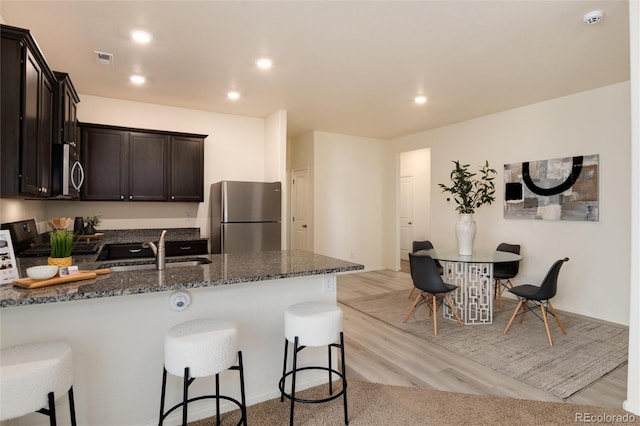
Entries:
{"x":372,"y":404}
{"x":588,"y":351}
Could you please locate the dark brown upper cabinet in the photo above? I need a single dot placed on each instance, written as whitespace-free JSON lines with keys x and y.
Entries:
{"x":65,"y":110}
{"x":186,"y":171}
{"x":67,"y":173}
{"x":148,"y":154}
{"x":141,"y":165}
{"x":105,"y":157}
{"x":27,"y":106}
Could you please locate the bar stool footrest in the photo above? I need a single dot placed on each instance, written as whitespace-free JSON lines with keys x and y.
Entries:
{"x":313,"y":401}
{"x":198,"y":398}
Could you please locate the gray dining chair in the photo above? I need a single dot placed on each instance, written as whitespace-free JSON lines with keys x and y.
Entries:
{"x":423,"y":245}
{"x":503,"y":272}
{"x":426,"y":278}
{"x":541,"y":297}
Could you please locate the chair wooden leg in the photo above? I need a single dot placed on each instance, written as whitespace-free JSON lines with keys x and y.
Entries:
{"x":515,"y":312}
{"x":546,"y":324}
{"x":412,"y":308}
{"x":555,"y":315}
{"x":450,"y":303}
{"x":524,"y":310}
{"x":411,"y":293}
{"x":435,"y":316}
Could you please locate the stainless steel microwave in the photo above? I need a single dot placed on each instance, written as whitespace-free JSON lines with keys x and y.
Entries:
{"x":67,"y":172}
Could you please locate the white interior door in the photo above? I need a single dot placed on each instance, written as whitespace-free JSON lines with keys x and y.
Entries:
{"x":299,"y":209}
{"x":406,"y":216}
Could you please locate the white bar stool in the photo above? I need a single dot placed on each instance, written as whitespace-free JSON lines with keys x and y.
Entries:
{"x":313,"y":324}
{"x":202,"y":348}
{"x":32,"y":376}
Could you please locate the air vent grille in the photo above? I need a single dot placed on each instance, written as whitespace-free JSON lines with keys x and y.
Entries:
{"x":103,"y":58}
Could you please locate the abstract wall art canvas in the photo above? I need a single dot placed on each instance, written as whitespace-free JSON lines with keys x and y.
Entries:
{"x":557,"y":189}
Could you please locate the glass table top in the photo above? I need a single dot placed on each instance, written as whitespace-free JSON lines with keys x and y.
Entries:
{"x":476,"y":257}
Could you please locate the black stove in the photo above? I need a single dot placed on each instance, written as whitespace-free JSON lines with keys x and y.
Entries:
{"x":27,"y":242}
{"x":44,"y":249}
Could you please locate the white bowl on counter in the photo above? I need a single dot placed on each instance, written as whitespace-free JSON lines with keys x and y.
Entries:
{"x":42,"y":272}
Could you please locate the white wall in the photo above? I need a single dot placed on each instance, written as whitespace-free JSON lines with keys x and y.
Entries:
{"x":596,"y":280}
{"x":632,"y":402}
{"x":353,"y":198}
{"x":275,"y":162}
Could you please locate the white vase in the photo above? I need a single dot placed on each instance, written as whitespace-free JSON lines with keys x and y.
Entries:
{"x":465,"y":232}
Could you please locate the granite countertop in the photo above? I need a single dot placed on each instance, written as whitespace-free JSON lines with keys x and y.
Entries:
{"x":223,"y":269}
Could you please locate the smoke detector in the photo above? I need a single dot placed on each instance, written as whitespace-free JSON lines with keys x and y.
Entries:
{"x":103,"y":58}
{"x":593,"y":17}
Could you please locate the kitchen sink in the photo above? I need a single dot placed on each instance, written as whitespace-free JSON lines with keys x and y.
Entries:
{"x":119,"y":267}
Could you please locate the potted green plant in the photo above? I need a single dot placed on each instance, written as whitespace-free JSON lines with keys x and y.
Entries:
{"x":62,"y":242}
{"x":469,"y":193}
{"x":90,"y":224}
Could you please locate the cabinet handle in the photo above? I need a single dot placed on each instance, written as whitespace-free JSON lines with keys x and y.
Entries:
{"x":135,"y":250}
{"x":185,"y":248}
{"x":131,"y":197}
{"x":77,"y":166}
{"x":122,"y":197}
{"x":173,"y":198}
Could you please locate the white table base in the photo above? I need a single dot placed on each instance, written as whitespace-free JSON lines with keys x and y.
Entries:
{"x":473,"y":300}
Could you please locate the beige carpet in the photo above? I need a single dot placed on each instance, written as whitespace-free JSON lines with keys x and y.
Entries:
{"x":588,"y":351}
{"x":372,"y":404}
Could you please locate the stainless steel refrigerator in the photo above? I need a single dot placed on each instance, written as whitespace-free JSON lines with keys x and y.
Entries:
{"x":245,"y":216}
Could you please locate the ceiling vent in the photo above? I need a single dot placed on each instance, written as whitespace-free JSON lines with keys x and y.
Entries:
{"x":103,"y":58}
{"x":593,"y":17}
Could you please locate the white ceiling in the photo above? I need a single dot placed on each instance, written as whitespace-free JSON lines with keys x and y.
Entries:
{"x":342,"y":67}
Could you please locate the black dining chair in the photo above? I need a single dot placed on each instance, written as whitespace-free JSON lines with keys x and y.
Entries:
{"x":426,"y":278}
{"x":423,"y":245}
{"x":503,"y":272}
{"x":540,"y":296}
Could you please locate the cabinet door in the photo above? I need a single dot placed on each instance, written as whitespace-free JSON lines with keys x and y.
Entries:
{"x":187,"y":169}
{"x":105,"y":159}
{"x":147,"y":166}
{"x":10,"y":115}
{"x":45,"y":135}
{"x":30,"y":183}
{"x":37,"y":129}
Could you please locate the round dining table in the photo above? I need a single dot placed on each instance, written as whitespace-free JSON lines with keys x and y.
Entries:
{"x":473,"y":274}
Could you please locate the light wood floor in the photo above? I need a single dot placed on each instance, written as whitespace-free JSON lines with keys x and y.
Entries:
{"x":378,"y":352}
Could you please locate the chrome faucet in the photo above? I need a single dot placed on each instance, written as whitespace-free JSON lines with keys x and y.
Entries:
{"x":158,"y":251}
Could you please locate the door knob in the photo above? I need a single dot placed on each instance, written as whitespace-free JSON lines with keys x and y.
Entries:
{"x":304,"y":226}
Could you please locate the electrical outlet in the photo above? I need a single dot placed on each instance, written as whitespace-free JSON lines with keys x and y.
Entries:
{"x":329,"y":284}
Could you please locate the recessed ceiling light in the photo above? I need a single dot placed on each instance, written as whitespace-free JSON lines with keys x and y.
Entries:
{"x":264,"y":63}
{"x":593,"y":17}
{"x":233,"y":95}
{"x":420,"y":99}
{"x":142,"y":37}
{"x":137,"y":79}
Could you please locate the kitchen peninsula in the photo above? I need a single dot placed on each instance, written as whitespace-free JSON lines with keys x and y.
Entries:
{"x":116,"y":325}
